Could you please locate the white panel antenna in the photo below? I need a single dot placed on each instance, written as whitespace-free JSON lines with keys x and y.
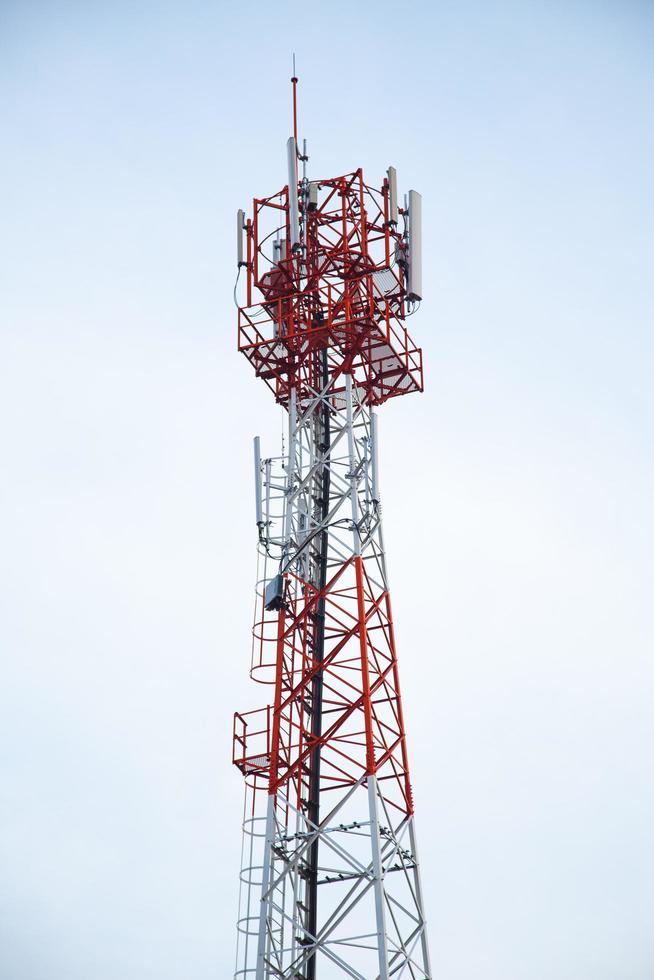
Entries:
{"x":294,"y":212}
{"x":257,"y":479}
{"x":240,"y":226}
{"x":415,"y":245}
{"x":313,"y":195}
{"x":392,"y":195}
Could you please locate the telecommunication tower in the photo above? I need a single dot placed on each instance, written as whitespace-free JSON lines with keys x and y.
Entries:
{"x":330,"y":882}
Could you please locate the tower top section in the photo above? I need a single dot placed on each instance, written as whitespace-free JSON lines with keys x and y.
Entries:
{"x":333,"y":267}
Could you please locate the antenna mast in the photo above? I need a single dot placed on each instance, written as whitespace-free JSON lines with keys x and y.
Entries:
{"x":294,"y":81}
{"x":330,"y":880}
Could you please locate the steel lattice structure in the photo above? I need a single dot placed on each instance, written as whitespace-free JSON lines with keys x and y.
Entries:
{"x":330,"y":882}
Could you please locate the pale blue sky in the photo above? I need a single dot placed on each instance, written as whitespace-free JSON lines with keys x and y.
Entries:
{"x":517,"y":489}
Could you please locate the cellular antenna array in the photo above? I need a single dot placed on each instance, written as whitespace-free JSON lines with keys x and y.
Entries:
{"x":330,"y":880}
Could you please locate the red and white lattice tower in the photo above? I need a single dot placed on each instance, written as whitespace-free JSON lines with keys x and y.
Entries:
{"x":330,"y":881}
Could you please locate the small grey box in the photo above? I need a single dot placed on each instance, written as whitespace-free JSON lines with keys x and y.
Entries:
{"x":274,"y":595}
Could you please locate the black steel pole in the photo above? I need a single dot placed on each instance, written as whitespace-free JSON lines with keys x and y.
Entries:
{"x":313,"y":809}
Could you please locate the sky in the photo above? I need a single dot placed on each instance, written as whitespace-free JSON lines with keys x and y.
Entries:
{"x":517,"y":490}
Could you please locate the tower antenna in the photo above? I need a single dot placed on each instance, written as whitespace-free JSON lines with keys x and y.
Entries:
{"x":294,"y":81}
{"x":330,"y":879}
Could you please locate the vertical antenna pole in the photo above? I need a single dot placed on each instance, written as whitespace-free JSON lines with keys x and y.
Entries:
{"x":257,"y":481}
{"x":375,"y":459}
{"x":294,"y":83}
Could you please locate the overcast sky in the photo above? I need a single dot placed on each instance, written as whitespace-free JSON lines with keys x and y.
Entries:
{"x":517,"y":490}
